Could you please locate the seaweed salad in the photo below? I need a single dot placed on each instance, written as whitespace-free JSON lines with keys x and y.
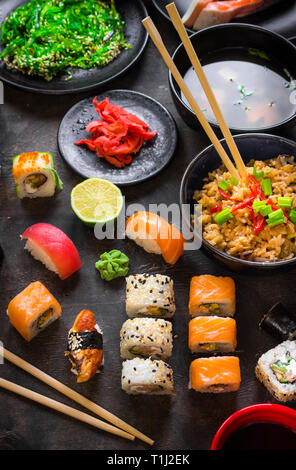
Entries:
{"x":45,"y":37}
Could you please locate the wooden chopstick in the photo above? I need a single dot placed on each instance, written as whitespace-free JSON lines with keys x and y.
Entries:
{"x":156,"y":38}
{"x":67,"y":391}
{"x":65,"y":409}
{"x":179,"y":26}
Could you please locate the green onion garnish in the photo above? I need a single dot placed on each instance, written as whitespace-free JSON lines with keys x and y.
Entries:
{"x":285,"y":202}
{"x":223,"y":185}
{"x":265,"y":210}
{"x":276,"y":218}
{"x":234,"y":181}
{"x":266,"y":187}
{"x":292,"y":216}
{"x":257,"y":205}
{"x":223,"y":216}
{"x":257,"y":174}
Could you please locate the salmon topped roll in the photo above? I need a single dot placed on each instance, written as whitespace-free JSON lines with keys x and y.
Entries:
{"x":156,"y":235}
{"x":32,"y":310}
{"x":85,"y":346}
{"x":215,"y":374}
{"x":212,"y":334}
{"x":212,"y":295}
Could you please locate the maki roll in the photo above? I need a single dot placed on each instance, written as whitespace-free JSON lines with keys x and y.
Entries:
{"x":215,"y":374}
{"x":33,"y":309}
{"x":85,"y":346}
{"x":212,"y":295}
{"x":147,"y":376}
{"x":211,"y":334}
{"x":276,"y":369}
{"x":147,"y":337}
{"x":35,"y":175}
{"x":279,"y":322}
{"x":150,"y":296}
{"x":53,"y":248}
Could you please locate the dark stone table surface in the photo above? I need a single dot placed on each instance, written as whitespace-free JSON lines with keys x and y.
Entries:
{"x":187,"y":421}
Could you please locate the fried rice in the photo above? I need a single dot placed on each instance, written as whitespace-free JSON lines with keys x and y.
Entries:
{"x":237,"y":236}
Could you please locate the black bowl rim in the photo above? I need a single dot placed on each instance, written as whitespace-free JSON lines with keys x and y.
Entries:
{"x":279,"y":37}
{"x":221,"y":254}
{"x":88,"y":88}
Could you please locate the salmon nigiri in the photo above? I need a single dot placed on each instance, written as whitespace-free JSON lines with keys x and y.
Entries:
{"x":215,"y":374}
{"x":212,"y":295}
{"x":193,"y":12}
{"x":156,"y":235}
{"x":219,"y":12}
{"x":212,"y":334}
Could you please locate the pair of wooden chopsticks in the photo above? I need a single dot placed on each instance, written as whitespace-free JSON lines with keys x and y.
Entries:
{"x":118,"y":427}
{"x":156,"y":38}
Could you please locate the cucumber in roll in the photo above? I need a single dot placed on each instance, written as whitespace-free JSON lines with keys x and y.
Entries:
{"x":35,"y":175}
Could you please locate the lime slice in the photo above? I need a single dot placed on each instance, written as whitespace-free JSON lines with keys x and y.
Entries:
{"x":96,"y":200}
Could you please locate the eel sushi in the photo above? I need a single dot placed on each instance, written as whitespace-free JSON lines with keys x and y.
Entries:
{"x":53,"y":248}
{"x":147,"y":337}
{"x":150,"y":296}
{"x":279,"y":322}
{"x":35,"y":175}
{"x":156,"y":235}
{"x":215,"y":374}
{"x":85,"y":346}
{"x":212,"y":295}
{"x":147,"y":376}
{"x":212,"y":334}
{"x":276,"y":369}
{"x":33,"y":310}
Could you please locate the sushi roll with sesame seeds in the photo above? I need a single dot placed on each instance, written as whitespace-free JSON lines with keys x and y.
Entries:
{"x":150,"y":296}
{"x":147,"y":376}
{"x":146,"y":337}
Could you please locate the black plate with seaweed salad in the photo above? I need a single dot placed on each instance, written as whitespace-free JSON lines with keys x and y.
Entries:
{"x":123,"y":32}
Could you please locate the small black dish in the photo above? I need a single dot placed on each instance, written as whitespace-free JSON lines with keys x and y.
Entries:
{"x":153,"y":157}
{"x":251,"y":146}
{"x":220,"y":39}
{"x":83,"y":80}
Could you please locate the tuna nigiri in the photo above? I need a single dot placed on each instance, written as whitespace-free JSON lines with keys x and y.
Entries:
{"x":32,"y":310}
{"x":156,"y":235}
{"x":215,"y":374}
{"x":53,"y":248}
{"x":212,"y":334}
{"x":85,"y":346}
{"x":212,"y":295}
{"x":219,"y":12}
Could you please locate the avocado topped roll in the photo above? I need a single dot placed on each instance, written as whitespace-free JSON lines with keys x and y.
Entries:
{"x":146,"y":337}
{"x":35,"y":175}
{"x":150,"y":296}
{"x":147,"y":376}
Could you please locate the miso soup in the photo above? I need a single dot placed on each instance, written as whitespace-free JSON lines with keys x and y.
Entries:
{"x":252,"y":90}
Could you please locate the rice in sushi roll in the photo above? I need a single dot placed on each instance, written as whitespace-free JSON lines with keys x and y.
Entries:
{"x":147,"y":337}
{"x":276,"y":369}
{"x":35,"y":175}
{"x":212,"y":334}
{"x":33,"y":310}
{"x":212,"y":295}
{"x":150,"y":296}
{"x":147,"y":376}
{"x":215,"y":374}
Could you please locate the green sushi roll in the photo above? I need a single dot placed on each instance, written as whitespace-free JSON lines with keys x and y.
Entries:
{"x":35,"y":175}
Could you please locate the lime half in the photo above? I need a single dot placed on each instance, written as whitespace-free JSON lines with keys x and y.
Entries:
{"x":96,"y":200}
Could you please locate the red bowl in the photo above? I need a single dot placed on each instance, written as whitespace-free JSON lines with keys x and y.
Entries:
{"x":265,"y":412}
